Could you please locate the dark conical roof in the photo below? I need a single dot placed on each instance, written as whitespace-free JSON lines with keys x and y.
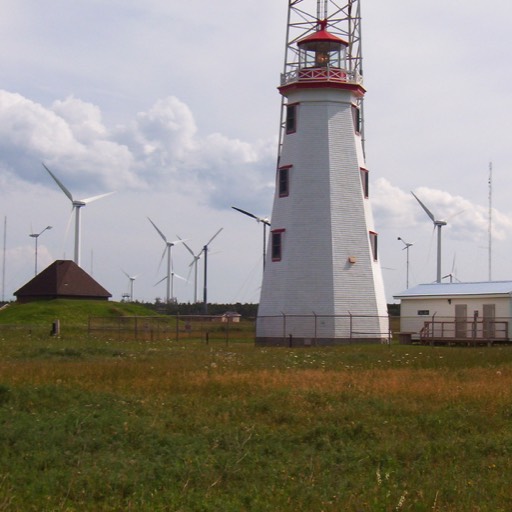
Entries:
{"x":63,"y":279}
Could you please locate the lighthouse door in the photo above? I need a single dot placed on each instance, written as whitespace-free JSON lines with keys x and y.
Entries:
{"x":489,"y":311}
{"x":461,"y":320}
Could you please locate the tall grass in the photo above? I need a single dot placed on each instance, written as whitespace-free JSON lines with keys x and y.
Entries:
{"x":90,"y":424}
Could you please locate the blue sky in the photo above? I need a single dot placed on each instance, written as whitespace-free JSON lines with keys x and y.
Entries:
{"x":177,"y":111}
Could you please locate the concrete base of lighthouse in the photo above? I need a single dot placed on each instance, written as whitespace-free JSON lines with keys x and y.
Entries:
{"x":288,"y":330}
{"x":291,"y":341}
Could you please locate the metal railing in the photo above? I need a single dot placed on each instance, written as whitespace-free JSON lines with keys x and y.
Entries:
{"x":175,"y":327}
{"x":463,"y":330}
{"x":321,"y":74}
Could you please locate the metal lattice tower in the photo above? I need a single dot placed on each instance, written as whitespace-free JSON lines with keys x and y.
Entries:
{"x":343,"y":20}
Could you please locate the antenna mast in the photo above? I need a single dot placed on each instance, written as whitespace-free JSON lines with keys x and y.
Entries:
{"x":3,"y":262}
{"x":343,"y":21}
{"x":490,"y":221}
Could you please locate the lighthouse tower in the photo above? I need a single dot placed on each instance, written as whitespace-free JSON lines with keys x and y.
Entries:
{"x":322,"y":282}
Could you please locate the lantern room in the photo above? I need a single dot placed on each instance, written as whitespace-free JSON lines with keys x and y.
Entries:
{"x":322,"y":50}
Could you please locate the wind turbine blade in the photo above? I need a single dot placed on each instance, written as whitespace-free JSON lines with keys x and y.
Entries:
{"x":162,"y":259}
{"x":158,"y":231}
{"x":94,"y":198}
{"x":427,"y":211}
{"x":68,"y":225}
{"x":179,"y":277}
{"x":126,"y":274}
{"x":245,"y":213}
{"x":180,"y":241}
{"x":211,"y":239}
{"x":455,"y":214}
{"x":60,"y":184}
{"x":163,"y":279}
{"x":259,"y":219}
{"x":188,"y":248}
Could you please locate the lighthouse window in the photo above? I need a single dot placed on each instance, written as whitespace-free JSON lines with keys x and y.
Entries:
{"x":356,"y":116}
{"x":373,"y":244}
{"x":365,"y":182}
{"x":283,"y":182}
{"x":291,"y":118}
{"x":277,"y":244}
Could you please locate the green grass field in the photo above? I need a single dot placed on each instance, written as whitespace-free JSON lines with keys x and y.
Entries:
{"x":114,"y":425}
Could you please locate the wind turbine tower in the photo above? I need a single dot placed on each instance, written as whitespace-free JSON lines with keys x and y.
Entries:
{"x":322,"y":282}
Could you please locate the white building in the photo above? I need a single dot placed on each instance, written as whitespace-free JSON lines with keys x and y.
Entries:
{"x":322,"y":281}
{"x":457,"y":311}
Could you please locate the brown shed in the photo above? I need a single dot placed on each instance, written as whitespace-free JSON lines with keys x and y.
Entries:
{"x":63,"y":279}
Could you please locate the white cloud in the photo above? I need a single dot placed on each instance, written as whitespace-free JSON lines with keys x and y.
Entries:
{"x":178,"y":111}
{"x":83,"y":118}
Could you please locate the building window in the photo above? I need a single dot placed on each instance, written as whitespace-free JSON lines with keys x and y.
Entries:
{"x":277,"y":244}
{"x":373,"y":244}
{"x":365,"y":182}
{"x":356,"y":117}
{"x":291,"y":118}
{"x":283,"y":180}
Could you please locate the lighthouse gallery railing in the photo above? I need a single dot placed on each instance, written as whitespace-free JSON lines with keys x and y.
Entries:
{"x":321,"y":74}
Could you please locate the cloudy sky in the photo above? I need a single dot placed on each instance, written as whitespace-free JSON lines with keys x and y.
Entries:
{"x":177,"y":111}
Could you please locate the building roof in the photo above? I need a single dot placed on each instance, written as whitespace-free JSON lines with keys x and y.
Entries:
{"x":322,"y":36}
{"x":62,"y":279}
{"x":452,"y":289}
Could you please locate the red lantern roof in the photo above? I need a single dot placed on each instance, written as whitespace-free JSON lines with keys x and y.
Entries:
{"x":321,"y":36}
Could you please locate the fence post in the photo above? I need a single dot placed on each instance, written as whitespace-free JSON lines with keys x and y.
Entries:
{"x":315,"y":326}
{"x":56,"y":328}
{"x":351,"y":326}
{"x":433,"y":332}
{"x":284,"y":327}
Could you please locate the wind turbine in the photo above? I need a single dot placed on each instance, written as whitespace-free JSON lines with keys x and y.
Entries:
{"x":76,"y":205}
{"x":205,"y":287}
{"x":406,"y":248}
{"x":131,"y":279}
{"x":36,"y":236}
{"x":437,"y":224}
{"x":451,"y":275}
{"x":168,"y":249}
{"x":265,"y":223}
{"x":195,"y":259}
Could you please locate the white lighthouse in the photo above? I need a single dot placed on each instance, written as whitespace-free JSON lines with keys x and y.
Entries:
{"x":322,"y":282}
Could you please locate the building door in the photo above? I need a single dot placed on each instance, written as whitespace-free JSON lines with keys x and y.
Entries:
{"x":489,"y":326}
{"x":461,"y":320}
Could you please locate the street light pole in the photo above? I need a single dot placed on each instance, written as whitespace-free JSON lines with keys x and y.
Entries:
{"x":36,"y":236}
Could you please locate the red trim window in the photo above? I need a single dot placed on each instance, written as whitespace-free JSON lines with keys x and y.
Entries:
{"x":277,"y":244}
{"x":283,"y":180}
{"x":356,"y":118}
{"x":374,"y":244}
{"x":291,"y":118}
{"x":365,"y":181}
